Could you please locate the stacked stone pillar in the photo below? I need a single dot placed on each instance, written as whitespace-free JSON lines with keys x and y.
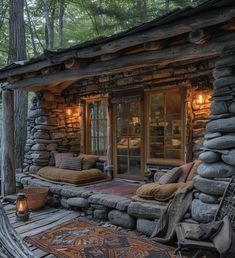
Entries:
{"x":219,"y":144}
{"x":51,"y":129}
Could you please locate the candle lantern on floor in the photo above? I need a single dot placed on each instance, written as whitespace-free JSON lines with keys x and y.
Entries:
{"x":22,"y":210}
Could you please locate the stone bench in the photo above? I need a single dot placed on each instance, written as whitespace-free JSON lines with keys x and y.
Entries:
{"x":119,"y":210}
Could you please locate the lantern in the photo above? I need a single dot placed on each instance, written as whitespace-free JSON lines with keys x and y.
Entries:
{"x":200,"y":100}
{"x":22,"y":211}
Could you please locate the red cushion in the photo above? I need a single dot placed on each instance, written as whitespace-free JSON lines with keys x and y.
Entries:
{"x":59,"y":157}
{"x":186,"y":168}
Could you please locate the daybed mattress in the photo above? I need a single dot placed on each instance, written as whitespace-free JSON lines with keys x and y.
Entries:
{"x":71,"y":176}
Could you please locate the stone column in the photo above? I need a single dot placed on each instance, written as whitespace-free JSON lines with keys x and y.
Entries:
{"x":219,"y":144}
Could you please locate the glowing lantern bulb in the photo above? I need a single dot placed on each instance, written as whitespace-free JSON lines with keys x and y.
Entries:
{"x":69,"y":112}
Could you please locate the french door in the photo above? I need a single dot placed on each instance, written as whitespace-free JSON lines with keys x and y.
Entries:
{"x":128,"y":158}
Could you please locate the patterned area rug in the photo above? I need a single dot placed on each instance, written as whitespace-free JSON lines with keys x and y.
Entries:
{"x":79,"y":238}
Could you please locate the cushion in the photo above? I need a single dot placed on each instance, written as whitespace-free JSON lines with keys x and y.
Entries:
{"x":147,"y":191}
{"x":167,"y":191}
{"x":73,"y":163}
{"x":157,"y":175}
{"x":71,"y":176}
{"x":186,"y":168}
{"x":59,"y":157}
{"x":88,"y":161}
{"x":193,"y":171}
{"x":171,"y":176}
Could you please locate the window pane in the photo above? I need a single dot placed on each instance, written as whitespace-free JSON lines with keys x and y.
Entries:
{"x":97,"y":129}
{"x":122,"y":165}
{"x":165,"y":125}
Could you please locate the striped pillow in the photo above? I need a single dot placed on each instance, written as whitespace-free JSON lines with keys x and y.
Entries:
{"x":171,"y":176}
{"x":72,"y":163}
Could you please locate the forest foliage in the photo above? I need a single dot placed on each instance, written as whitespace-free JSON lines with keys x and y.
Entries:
{"x":53,"y":24}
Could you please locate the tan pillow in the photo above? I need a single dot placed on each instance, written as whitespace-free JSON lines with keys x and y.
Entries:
{"x":147,"y":191}
{"x":88,"y":161}
{"x":74,"y":163}
{"x":193,"y":171}
{"x":171,"y":176}
{"x":167,"y":191}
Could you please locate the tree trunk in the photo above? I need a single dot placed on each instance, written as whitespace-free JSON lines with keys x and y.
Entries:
{"x":31,"y":29}
{"x":49,"y":25}
{"x":17,"y":53}
{"x":7,"y":149}
{"x":61,"y":24}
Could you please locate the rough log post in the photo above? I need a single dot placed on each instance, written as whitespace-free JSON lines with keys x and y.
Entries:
{"x":11,"y":245}
{"x":8,"y":160}
{"x":109,"y":141}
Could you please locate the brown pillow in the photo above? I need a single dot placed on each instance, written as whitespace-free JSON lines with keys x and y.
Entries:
{"x":167,"y":191}
{"x":171,"y":176}
{"x":88,"y":161}
{"x":59,"y":157}
{"x":147,"y":191}
{"x":186,"y":168}
{"x":193,"y":171}
{"x":73,"y":163}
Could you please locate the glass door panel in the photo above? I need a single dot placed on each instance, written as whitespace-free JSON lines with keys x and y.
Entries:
{"x":128,"y":138}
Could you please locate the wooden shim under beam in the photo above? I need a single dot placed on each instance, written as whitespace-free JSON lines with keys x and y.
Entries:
{"x":220,"y":15}
{"x":162,"y":57}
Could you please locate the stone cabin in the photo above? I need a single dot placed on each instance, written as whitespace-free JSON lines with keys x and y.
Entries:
{"x":142,"y":99}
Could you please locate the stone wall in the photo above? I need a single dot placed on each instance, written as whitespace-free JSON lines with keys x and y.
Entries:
{"x":200,"y":116}
{"x":219,"y":144}
{"x":51,"y":128}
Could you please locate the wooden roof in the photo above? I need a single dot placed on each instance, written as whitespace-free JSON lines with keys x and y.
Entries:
{"x":100,"y":55}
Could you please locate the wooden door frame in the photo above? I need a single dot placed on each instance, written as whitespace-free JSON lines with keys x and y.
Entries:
{"x":142,"y":145}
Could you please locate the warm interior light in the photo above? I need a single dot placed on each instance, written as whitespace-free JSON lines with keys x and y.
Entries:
{"x":200,"y":99}
{"x":22,"y":211}
{"x":69,"y":111}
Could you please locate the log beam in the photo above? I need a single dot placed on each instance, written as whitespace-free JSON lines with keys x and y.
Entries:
{"x":171,"y":29}
{"x":8,"y":179}
{"x":161,"y":58}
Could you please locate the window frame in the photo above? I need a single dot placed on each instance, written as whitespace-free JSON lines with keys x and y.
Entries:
{"x":87,"y":126}
{"x":166,"y":161}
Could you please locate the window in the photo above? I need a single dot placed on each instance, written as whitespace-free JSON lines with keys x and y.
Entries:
{"x":166,"y":125}
{"x":96,"y":133}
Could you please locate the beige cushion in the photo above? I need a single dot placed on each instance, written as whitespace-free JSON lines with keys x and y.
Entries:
{"x":167,"y":191}
{"x":71,"y":176}
{"x":73,"y":163}
{"x":147,"y":191}
{"x":193,"y":171}
{"x":171,"y":176}
{"x":88,"y":161}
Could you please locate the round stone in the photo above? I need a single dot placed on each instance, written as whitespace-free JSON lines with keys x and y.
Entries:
{"x":222,"y":72}
{"x":225,"y":125}
{"x":203,"y":212}
{"x":212,"y":135}
{"x":232,"y":107}
{"x":78,"y":202}
{"x":221,"y":143}
{"x":146,"y":226}
{"x":121,"y":219}
{"x":208,"y":186}
{"x":225,"y":81}
{"x":218,"y":107}
{"x":210,"y":156}
{"x":207,"y":198}
{"x":215,"y":170}
{"x":229,"y":158}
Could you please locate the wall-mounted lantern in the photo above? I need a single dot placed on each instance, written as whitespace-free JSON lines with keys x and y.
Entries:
{"x":22,"y":210}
